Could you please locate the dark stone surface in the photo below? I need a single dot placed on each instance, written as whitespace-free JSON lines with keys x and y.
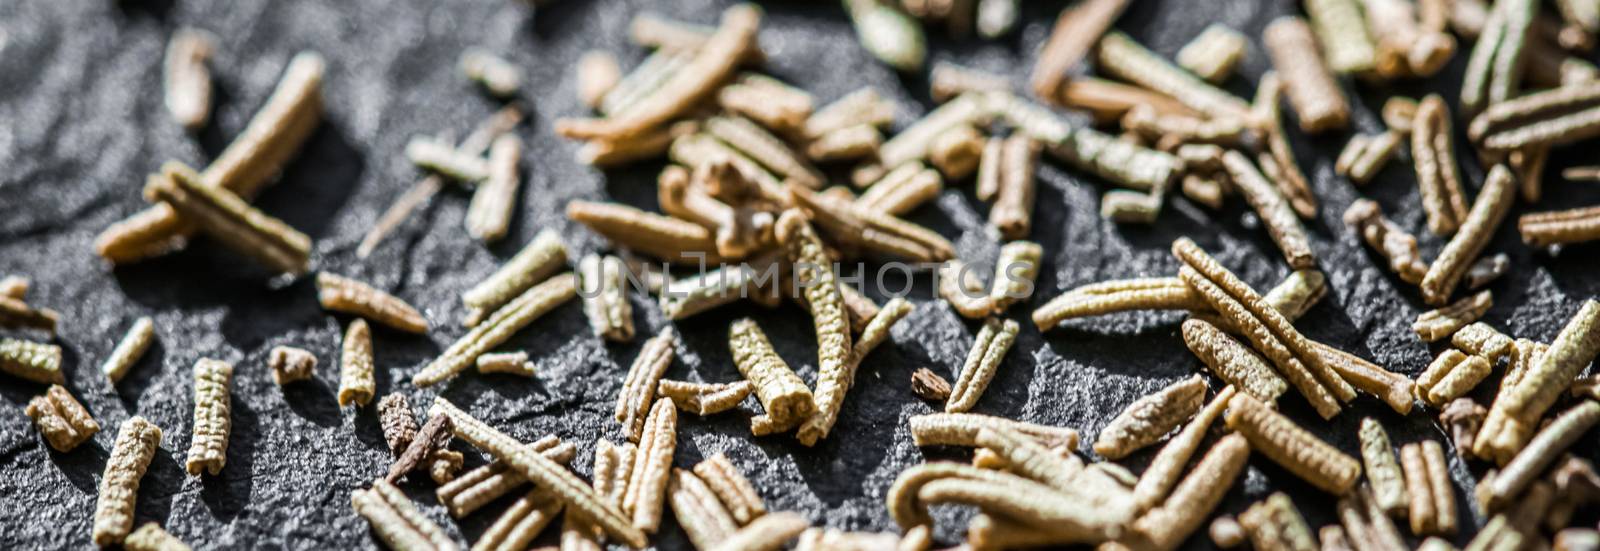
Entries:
{"x":83,"y":122}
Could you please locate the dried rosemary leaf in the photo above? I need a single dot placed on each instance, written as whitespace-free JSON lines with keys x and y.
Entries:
{"x":136,"y":445}
{"x":489,"y":213}
{"x":356,"y":380}
{"x":343,"y":294}
{"x":208,"y":447}
{"x":130,"y":349}
{"x":228,"y":218}
{"x":37,"y":362}
{"x":61,"y":419}
{"x":505,"y":322}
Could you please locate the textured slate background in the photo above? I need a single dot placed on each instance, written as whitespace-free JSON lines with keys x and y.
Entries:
{"x":83,"y":122}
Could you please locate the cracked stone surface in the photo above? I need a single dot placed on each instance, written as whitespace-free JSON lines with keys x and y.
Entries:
{"x":84,"y":122}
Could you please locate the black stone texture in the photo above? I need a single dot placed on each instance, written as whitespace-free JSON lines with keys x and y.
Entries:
{"x":82,"y":122}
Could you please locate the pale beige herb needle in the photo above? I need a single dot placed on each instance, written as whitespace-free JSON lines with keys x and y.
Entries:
{"x":493,"y":202}
{"x":807,"y":254}
{"x":130,"y":349}
{"x":1275,"y":212}
{"x":829,"y":404}
{"x":1199,"y":263}
{"x":956,"y":151}
{"x":1150,"y":418}
{"x":1205,"y":190}
{"x":356,"y":380}
{"x":785,"y":398}
{"x":902,"y":190}
{"x":1384,"y":475}
{"x":37,"y":362}
{"x":1438,"y":476}
{"x":663,"y":237}
{"x":1443,"y":322}
{"x":960,"y":287}
{"x":497,"y":75}
{"x":1108,"y":297}
{"x":1167,"y":131}
{"x":1013,"y":209}
{"x":983,"y":361}
{"x":603,"y":284}
{"x":1297,"y":293}
{"x":446,"y":160}
{"x":1073,"y":37}
{"x":768,"y":533}
{"x":536,"y":261}
{"x":228,"y":218}
{"x":948,"y":80}
{"x":597,"y":75}
{"x":505,"y":322}
{"x":845,"y":144}
{"x":543,"y":472}
{"x":1391,"y":241}
{"x":252,"y":160}
{"x":396,"y":520}
{"x":1542,"y":450}
{"x":290,"y":364}
{"x":961,"y":429}
{"x":686,"y":297}
{"x":1433,"y":154}
{"x":1393,"y":388}
{"x":1014,"y":273}
{"x":61,"y":419}
{"x":1232,"y":361}
{"x":1108,"y":101}
{"x":1165,"y":527}
{"x":773,"y":104}
{"x":208,"y":447}
{"x":1291,"y":446}
{"x":515,"y":363}
{"x":1369,"y":156}
{"x":1422,"y":514}
{"x":1068,"y":520}
{"x":912,"y":143}
{"x":1120,"y":56}
{"x":1343,"y":33}
{"x":1274,"y":523}
{"x":137,"y":441}
{"x":703,"y":518}
{"x":187,"y":78}
{"x":712,"y":64}
{"x":1278,"y":162}
{"x":1450,"y":376}
{"x":1159,"y":478}
{"x":1493,"y":202}
{"x":476,"y":488}
{"x":639,"y":387}
{"x":150,"y":537}
{"x":652,"y":466}
{"x":343,"y":294}
{"x":764,"y":148}
{"x":861,"y":107}
{"x":704,"y":398}
{"x":1214,"y":53}
{"x":514,"y":529}
{"x":732,"y":488}
{"x":1543,"y":229}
